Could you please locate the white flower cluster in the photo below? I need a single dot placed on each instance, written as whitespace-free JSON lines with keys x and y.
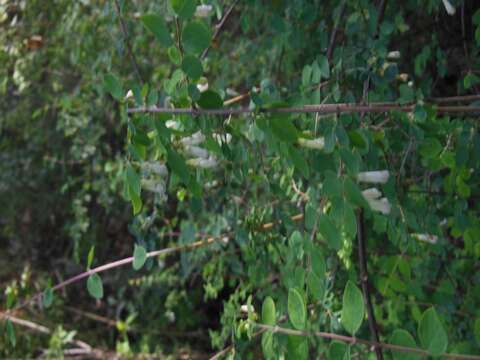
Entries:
{"x":374,"y":177}
{"x":203,"y":11}
{"x":200,"y":157}
{"x":373,"y":197}
{"x":155,"y":173}
{"x":318,"y":143}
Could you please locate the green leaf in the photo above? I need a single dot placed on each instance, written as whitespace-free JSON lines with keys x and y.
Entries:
{"x":353,"y":309}
{"x":432,"y":334}
{"x":196,"y":37}
{"x":174,"y":55}
{"x":178,"y":165}
{"x":268,"y":311}
{"x":11,"y":333}
{"x":95,"y":286}
{"x":267,"y":345}
{"x":338,"y":351}
{"x":210,"y":100}
{"x":329,"y":232}
{"x":403,"y":338}
{"x":47,"y":297}
{"x":310,"y":216}
{"x":113,"y":86}
{"x":139,"y":257}
{"x":476,"y":330}
{"x":324,"y":67}
{"x":297,"y":347}
{"x":91,"y":254}
{"x":136,"y":201}
{"x":318,"y":263}
{"x":353,"y":194}
{"x":283,"y":128}
{"x":332,"y":185}
{"x":297,"y":312}
{"x":192,"y":67}
{"x":316,"y":286}
{"x":133,"y":180}
{"x":184,"y":8}
{"x":155,"y":24}
{"x":299,"y":161}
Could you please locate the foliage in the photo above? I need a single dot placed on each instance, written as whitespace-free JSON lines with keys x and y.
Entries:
{"x":280,"y":194}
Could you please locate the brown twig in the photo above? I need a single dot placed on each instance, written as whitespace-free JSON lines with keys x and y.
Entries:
{"x":86,"y":348}
{"x":123,"y":27}
{"x":354,"y":340}
{"x":113,"y":265}
{"x":321,"y":109}
{"x":333,"y":37}
{"x":218,"y":28}
{"x":362,"y":259}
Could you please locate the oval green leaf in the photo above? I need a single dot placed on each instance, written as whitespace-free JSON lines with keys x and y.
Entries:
{"x":155,"y":24}
{"x":338,"y":351}
{"x":139,"y":257}
{"x":95,"y":286}
{"x":192,"y":67}
{"x":11,"y":333}
{"x":432,"y":334}
{"x":329,"y":232}
{"x":183,"y":8}
{"x":196,"y":37}
{"x":353,"y":309}
{"x":403,"y":338}
{"x":297,"y":312}
{"x":318,"y":263}
{"x":210,"y":100}
{"x":316,"y":286}
{"x":113,"y":86}
{"x":268,"y":311}
{"x":47,"y":297}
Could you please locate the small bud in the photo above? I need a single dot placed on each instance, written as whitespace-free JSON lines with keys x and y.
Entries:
{"x":448,"y":7}
{"x":155,"y":167}
{"x":432,"y":239}
{"x":195,"y":139}
{"x":209,"y":163}
{"x":154,"y":186}
{"x":318,"y":143}
{"x":374,"y":177}
{"x":245,"y":308}
{"x":129,"y":95}
{"x":196,"y":151}
{"x":202,"y":87}
{"x":393,"y":55}
{"x":203,"y":11}
{"x":172,"y":124}
{"x":222,"y":138}
{"x":402,"y":77}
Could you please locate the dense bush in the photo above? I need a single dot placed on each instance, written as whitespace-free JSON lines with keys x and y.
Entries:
{"x":284,"y":226}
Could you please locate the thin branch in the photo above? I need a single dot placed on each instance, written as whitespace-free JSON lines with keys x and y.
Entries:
{"x":340,"y":108}
{"x":381,"y":14}
{"x":333,"y":37}
{"x":123,"y":27}
{"x":450,"y":99}
{"x":86,"y":348}
{"x":113,"y":265}
{"x":354,"y":340}
{"x":362,"y":259}
{"x":218,"y":29}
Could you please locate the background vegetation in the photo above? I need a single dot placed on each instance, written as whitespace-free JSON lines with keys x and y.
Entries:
{"x":282,"y":220}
